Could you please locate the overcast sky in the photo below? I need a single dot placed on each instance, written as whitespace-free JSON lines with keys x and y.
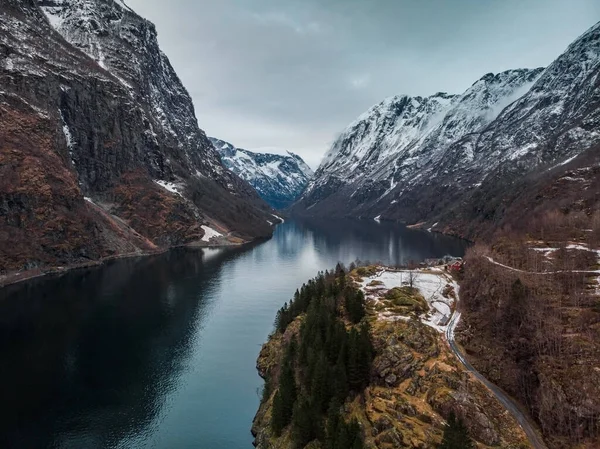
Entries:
{"x":276,"y":75}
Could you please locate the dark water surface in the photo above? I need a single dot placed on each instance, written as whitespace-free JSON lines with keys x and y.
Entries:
{"x":160,"y":352}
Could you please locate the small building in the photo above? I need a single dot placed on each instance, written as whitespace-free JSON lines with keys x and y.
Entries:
{"x":456,"y":266}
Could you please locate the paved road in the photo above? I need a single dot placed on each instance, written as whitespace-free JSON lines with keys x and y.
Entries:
{"x":510,"y":405}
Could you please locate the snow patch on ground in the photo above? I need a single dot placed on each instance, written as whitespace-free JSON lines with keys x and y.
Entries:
{"x":377,"y":218}
{"x":279,"y":218}
{"x":433,"y":226}
{"x":209,"y":233}
{"x":579,"y":247}
{"x":54,"y":17}
{"x":170,"y":186}
{"x":430,"y":283}
{"x":565,"y":162}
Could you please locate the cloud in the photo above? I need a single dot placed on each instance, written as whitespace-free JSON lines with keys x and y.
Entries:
{"x":282,"y":19}
{"x":360,"y":81}
{"x":292,"y":74}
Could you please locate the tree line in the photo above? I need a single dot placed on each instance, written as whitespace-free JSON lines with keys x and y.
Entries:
{"x":329,"y":362}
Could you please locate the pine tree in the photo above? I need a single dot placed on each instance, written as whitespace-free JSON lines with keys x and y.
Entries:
{"x":277,"y":416}
{"x":342,"y":440}
{"x":353,"y":367}
{"x":365,"y":354}
{"x":283,"y":402}
{"x":333,"y":423}
{"x":456,"y":435}
{"x":320,"y":385}
{"x":355,"y":304}
{"x":304,"y":423}
{"x":354,"y":435}
{"x":340,"y":380}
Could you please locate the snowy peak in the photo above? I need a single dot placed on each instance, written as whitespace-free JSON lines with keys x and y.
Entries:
{"x":402,"y":133}
{"x":278,"y":179}
{"x":559,"y":115}
{"x":391,"y":127}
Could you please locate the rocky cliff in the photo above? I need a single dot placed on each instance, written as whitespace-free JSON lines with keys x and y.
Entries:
{"x":100,"y":151}
{"x":279,"y":180}
{"x":415,"y":381}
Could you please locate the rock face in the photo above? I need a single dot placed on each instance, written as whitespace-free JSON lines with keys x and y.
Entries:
{"x":92,"y":108}
{"x":279,"y":180}
{"x":446,"y":157}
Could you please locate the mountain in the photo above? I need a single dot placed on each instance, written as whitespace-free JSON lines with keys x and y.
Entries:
{"x":101,"y":153}
{"x":279,"y":180}
{"x":456,"y":160}
{"x":394,"y":145}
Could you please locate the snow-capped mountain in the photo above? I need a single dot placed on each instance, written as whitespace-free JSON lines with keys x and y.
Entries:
{"x":417,"y":159}
{"x":395,"y":143}
{"x":279,"y":180}
{"x":105,"y":154}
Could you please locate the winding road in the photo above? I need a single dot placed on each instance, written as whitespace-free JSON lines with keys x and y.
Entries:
{"x":532,"y":434}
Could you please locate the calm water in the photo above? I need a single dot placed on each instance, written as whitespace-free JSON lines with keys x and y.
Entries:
{"x":160,"y":352}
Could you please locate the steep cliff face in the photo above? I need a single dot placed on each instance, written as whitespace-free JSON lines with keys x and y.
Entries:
{"x":279,"y":180}
{"x":406,"y":161}
{"x":119,"y":130}
{"x":125,"y":45}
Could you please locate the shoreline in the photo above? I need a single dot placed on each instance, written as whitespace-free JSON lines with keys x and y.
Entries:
{"x":419,"y":226}
{"x":16,"y":277}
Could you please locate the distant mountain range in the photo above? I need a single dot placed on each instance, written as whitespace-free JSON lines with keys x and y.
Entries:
{"x":279,"y":180}
{"x":458,"y":162}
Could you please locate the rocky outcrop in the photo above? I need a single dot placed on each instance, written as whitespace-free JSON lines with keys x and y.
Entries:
{"x":92,"y":109}
{"x":415,"y":384}
{"x":279,"y":180}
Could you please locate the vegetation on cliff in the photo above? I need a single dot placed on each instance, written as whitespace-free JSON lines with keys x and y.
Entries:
{"x":334,"y":380}
{"x":531,"y":322}
{"x":331,"y":361}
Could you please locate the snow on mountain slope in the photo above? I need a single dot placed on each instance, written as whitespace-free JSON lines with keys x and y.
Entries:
{"x":399,"y":163}
{"x":279,"y":180}
{"x":559,"y":117}
{"x":395,"y":126}
{"x":396,"y":142}
{"x":126,"y":46}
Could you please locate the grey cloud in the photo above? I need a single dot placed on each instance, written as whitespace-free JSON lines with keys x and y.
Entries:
{"x":291,"y":74}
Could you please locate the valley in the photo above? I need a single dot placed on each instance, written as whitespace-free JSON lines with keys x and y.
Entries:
{"x":455,"y":237}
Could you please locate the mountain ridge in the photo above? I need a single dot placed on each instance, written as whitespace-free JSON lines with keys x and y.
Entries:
{"x":278,"y":179}
{"x":400,"y":161}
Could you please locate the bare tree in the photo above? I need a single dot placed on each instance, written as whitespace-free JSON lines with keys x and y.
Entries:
{"x":413,"y":277}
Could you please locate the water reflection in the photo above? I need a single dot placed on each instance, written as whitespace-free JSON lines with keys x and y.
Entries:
{"x":93,"y":353}
{"x":348,"y":240}
{"x":160,"y":351}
